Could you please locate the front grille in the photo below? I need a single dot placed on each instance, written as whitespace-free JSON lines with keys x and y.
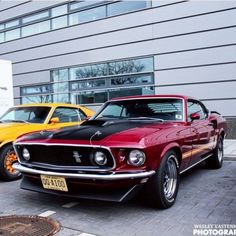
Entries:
{"x":67,"y":156}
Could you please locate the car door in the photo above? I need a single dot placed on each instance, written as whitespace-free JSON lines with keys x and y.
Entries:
{"x":66,"y":117}
{"x":201,"y":129}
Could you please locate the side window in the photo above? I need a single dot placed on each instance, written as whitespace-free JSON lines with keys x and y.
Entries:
{"x":195,"y":107}
{"x":67,"y":114}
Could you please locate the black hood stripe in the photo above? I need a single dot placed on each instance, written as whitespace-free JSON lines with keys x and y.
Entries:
{"x":95,"y":130}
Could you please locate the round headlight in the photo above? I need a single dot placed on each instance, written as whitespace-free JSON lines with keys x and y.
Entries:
{"x":26,"y":154}
{"x":136,"y":158}
{"x":100,"y":158}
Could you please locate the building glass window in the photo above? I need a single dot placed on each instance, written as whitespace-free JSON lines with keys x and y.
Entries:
{"x":93,"y":84}
{"x":120,"y":92}
{"x":57,"y":17}
{"x":125,"y":6}
{"x":12,"y":24}
{"x":78,"y":5}
{"x":92,"y":14}
{"x":38,"y":89}
{"x":60,"y":75}
{"x":64,"y":98}
{"x":2,"y":37}
{"x":36,"y":99}
{"x":35,"y":17}
{"x":60,"y":87}
{"x":132,"y":80}
{"x":130,"y":66}
{"x":36,"y":28}
{"x":59,"y":22}
{"x":12,"y":34}
{"x":58,"y":11}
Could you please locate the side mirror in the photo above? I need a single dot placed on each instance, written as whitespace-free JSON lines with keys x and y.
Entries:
{"x":194,"y":116}
{"x":87,"y":118}
{"x":54,"y":120}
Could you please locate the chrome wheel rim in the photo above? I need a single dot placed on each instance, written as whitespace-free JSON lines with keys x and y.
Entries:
{"x":170,"y":177}
{"x":220,"y":151}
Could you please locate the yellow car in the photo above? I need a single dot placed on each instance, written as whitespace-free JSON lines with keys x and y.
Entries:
{"x":23,"y":119}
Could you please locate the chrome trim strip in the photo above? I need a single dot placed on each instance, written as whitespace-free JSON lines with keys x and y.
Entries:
{"x":71,"y":145}
{"x":203,"y":159}
{"x":112,"y":176}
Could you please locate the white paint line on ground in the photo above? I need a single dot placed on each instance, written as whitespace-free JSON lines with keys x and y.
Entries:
{"x":85,"y":234}
{"x":70,"y":204}
{"x":47,"y":213}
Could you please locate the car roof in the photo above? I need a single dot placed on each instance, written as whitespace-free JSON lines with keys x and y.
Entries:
{"x":48,"y":105}
{"x":153,"y":96}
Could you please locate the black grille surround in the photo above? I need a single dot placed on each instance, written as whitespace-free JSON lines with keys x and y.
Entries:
{"x":64,"y":157}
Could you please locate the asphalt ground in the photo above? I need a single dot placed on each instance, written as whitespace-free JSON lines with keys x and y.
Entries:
{"x":205,"y":197}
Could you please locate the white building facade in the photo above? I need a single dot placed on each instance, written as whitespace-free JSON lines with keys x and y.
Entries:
{"x":89,"y":51}
{"x":6,"y":86}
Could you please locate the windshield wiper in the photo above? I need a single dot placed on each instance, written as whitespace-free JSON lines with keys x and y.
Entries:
{"x":145,"y":118}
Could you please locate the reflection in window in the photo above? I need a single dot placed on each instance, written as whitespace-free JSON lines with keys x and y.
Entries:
{"x":125,"y":6}
{"x":2,"y":27}
{"x":92,"y":97}
{"x":36,"y":99}
{"x":38,"y":89}
{"x":88,"y":71}
{"x":61,"y":98}
{"x":131,"y":66}
{"x":59,"y":22}
{"x":60,"y":75}
{"x":132,"y":80}
{"x":60,"y":87}
{"x":34,"y":17}
{"x":130,"y":92}
{"x":86,"y":84}
{"x":36,"y":28}
{"x":12,"y":34}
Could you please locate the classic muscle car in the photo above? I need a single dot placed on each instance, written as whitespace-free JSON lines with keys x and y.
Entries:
{"x":130,"y":144}
{"x":23,"y":119}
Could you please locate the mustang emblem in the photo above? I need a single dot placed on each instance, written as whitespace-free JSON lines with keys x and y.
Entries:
{"x":77,"y":156}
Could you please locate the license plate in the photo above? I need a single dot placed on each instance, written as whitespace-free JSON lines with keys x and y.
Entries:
{"x":54,"y":183}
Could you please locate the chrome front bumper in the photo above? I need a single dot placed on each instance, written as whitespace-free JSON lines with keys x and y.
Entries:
{"x":113,"y":176}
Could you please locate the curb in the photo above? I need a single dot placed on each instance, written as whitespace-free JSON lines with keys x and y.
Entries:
{"x":230,"y":158}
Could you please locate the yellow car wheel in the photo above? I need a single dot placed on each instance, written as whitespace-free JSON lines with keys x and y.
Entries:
{"x":7,"y":159}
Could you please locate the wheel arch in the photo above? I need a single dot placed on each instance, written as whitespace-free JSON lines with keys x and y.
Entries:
{"x":173,"y":147}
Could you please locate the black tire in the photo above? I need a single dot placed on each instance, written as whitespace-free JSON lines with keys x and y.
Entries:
{"x":7,"y":158}
{"x":161,"y":190}
{"x":216,"y":160}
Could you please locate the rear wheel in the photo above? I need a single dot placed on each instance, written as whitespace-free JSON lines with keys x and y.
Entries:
{"x":216,"y":160}
{"x":7,"y":159}
{"x":162,"y":189}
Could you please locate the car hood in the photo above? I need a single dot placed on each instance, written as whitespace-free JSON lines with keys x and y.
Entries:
{"x":102,"y":132}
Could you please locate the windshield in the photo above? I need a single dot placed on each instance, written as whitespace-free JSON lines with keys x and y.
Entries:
{"x":160,"y":108}
{"x":26,"y":115}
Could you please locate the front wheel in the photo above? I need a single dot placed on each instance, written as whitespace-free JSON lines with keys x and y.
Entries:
{"x":7,"y":159}
{"x":216,"y":160}
{"x":162,"y":189}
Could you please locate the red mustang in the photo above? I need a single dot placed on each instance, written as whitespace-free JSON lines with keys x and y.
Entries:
{"x":131,"y":143}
